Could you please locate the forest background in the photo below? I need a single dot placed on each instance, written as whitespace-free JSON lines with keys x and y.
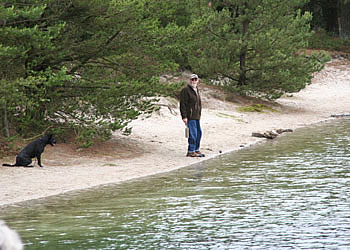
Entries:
{"x":86,"y":68}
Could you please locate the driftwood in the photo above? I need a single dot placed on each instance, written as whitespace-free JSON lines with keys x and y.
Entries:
{"x":340,"y":115}
{"x":169,"y":106}
{"x":271,"y":134}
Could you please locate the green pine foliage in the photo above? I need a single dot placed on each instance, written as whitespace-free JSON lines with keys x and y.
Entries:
{"x":80,"y":68}
{"x":93,"y":66}
{"x":255,"y":47}
{"x":25,"y":45}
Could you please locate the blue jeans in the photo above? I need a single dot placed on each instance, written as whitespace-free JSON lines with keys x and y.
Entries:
{"x":195,"y":135}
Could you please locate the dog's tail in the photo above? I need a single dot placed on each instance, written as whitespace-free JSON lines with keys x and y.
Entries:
{"x":8,"y":165}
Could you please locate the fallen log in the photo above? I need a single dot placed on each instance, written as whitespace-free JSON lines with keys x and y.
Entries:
{"x":271,"y":134}
{"x":340,"y":115}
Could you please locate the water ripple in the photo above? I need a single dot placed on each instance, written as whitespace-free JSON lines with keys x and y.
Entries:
{"x":291,"y":193}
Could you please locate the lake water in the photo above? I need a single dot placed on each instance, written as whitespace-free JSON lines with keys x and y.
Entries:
{"x":289,"y":193}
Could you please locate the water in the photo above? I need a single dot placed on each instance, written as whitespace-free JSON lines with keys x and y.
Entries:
{"x":290,"y":193}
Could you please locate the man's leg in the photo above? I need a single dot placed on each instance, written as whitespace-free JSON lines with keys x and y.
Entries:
{"x":199,"y":135}
{"x":191,"y":124}
{"x":198,"y":140}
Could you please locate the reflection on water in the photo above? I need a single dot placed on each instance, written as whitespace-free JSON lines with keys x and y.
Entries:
{"x":290,"y":193}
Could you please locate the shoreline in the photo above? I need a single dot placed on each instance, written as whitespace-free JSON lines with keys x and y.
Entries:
{"x":158,"y":145}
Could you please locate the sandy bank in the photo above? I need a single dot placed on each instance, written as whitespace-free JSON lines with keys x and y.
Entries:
{"x":158,"y":145}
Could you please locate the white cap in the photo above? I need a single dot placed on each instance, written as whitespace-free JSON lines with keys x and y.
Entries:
{"x":194,"y":76}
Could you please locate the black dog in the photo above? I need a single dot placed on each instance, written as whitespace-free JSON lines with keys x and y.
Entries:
{"x":33,"y":149}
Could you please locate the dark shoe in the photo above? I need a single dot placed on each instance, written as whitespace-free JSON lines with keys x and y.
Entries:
{"x":192,"y":154}
{"x":200,"y":154}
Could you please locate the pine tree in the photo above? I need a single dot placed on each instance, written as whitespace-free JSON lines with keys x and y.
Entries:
{"x":344,"y":19}
{"x":25,"y":45}
{"x":85,"y":65}
{"x":255,"y":47}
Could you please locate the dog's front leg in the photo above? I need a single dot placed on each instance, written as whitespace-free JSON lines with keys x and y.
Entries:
{"x":39,"y":160}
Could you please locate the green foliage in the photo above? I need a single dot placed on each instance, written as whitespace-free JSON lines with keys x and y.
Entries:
{"x":85,"y":138}
{"x":68,"y":66}
{"x":25,"y":45}
{"x":121,"y":48}
{"x":260,"y":108}
{"x":171,"y":89}
{"x":92,"y":70}
{"x":321,"y":40}
{"x":255,"y":47}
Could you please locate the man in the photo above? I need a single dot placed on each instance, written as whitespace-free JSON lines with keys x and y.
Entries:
{"x":191,"y":108}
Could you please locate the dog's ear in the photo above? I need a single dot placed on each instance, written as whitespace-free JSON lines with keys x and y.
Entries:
{"x":49,"y":137}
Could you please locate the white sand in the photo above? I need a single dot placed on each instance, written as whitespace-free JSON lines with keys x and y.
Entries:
{"x":158,"y":144}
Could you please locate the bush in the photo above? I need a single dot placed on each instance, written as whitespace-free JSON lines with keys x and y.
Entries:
{"x":322,"y":40}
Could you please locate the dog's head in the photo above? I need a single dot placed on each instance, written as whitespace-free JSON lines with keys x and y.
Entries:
{"x":51,"y":140}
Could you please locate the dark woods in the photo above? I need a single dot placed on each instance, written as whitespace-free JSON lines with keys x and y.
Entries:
{"x":331,"y":16}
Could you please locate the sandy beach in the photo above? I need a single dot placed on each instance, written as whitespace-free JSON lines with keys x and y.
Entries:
{"x":158,"y":144}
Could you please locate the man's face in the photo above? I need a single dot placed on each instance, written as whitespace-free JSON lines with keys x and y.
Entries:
{"x":194,"y":80}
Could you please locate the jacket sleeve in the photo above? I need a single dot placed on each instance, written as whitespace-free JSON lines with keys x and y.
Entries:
{"x":183,"y":103}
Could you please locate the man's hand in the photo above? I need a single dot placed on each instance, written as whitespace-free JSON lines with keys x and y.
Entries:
{"x":185,"y":120}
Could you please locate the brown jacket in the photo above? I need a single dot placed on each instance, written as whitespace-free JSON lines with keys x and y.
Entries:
{"x":190,"y":103}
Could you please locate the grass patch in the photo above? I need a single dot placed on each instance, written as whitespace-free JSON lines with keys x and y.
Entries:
{"x":111,"y":165}
{"x":225,"y":115}
{"x":259,"y":108}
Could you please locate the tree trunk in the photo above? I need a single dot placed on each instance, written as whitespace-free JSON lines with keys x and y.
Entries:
{"x":242,"y":57}
{"x":6,"y":123}
{"x":344,"y":19}
{"x":242,"y":66}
